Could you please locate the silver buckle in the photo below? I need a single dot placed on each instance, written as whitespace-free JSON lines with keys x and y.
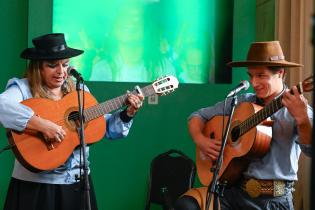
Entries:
{"x":278,"y":188}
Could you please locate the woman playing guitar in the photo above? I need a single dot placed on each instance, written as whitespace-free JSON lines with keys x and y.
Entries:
{"x":47,"y":77}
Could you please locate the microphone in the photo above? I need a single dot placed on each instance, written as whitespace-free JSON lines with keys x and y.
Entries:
{"x":73,"y":72}
{"x":244,"y":85}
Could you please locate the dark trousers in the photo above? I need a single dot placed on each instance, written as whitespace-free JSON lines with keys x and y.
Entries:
{"x":37,"y":196}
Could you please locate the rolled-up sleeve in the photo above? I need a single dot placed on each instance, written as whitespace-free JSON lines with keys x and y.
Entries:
{"x":13,"y":114}
{"x":115,"y":127}
{"x":307,"y":148}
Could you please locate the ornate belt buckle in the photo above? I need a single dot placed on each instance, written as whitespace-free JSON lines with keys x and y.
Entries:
{"x":278,"y":188}
{"x":253,"y":188}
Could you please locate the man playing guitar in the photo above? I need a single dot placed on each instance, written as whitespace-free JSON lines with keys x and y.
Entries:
{"x":267,"y":181}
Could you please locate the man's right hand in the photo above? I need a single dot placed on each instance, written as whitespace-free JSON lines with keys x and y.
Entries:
{"x":209,"y":147}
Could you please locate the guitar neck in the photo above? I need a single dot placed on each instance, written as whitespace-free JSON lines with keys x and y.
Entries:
{"x":264,"y":113}
{"x":113,"y":104}
{"x":261,"y":115}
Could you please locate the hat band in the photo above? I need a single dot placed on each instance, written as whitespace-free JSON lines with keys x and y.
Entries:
{"x":277,"y":58}
{"x":54,"y":49}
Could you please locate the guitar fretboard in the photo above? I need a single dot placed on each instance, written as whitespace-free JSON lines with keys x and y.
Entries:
{"x":113,"y":104}
{"x":262,"y":114}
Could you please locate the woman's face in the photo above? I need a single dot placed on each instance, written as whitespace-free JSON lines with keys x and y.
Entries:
{"x":54,"y":73}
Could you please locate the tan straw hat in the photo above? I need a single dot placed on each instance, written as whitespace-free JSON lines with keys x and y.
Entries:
{"x":264,"y":54}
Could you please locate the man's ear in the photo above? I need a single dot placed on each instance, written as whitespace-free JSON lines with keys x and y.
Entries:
{"x":282,"y":73}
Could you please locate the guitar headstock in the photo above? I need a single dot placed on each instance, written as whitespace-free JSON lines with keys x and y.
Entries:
{"x":307,"y":84}
{"x":165,"y":85}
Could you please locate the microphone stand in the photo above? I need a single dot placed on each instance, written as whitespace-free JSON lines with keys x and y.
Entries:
{"x":215,"y":188}
{"x":85,"y":185}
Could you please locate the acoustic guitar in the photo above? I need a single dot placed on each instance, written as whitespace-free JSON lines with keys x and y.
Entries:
{"x":249,"y":137}
{"x":36,"y":154}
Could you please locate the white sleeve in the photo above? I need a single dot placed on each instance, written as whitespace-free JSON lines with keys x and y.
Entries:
{"x":13,"y":114}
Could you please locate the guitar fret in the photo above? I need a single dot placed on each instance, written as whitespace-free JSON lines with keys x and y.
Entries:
{"x":255,"y":120}
{"x":258,"y":118}
{"x":102,"y":108}
{"x":273,"y":107}
{"x":122,"y":100}
{"x":247,"y":123}
{"x":86,"y":115}
{"x":261,"y":115}
{"x":252,"y":122}
{"x":276,"y":104}
{"x":267,"y":108}
{"x":105,"y":107}
{"x":98,"y":111}
{"x":279,"y":102}
{"x":116,"y":103}
{"x":111,"y":105}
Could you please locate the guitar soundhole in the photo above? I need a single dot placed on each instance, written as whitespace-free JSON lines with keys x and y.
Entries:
{"x":72,"y":119}
{"x":73,"y":116}
{"x":212,"y":135}
{"x":235,"y":133}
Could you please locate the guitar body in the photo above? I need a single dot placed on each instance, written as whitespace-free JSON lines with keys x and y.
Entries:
{"x":238,"y":152}
{"x":35,"y":153}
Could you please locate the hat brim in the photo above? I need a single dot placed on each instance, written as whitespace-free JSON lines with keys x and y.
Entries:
{"x":263,"y":63}
{"x":33,"y":54}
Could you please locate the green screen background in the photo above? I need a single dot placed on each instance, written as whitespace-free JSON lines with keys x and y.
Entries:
{"x":139,"y":41}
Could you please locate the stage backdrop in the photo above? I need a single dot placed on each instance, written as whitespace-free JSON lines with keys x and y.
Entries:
{"x":140,"y":40}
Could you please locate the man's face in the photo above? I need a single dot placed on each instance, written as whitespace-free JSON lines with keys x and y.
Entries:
{"x":266,"y":83}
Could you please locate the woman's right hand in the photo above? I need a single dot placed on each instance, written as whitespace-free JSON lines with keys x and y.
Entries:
{"x":50,"y":130}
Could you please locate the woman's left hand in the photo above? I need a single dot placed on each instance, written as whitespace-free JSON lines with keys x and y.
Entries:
{"x":134,"y":103}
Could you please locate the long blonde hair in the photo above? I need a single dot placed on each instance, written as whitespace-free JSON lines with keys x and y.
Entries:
{"x":37,"y":86}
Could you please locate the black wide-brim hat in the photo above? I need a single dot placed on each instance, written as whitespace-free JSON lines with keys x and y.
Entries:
{"x":50,"y":47}
{"x":264,"y":54}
